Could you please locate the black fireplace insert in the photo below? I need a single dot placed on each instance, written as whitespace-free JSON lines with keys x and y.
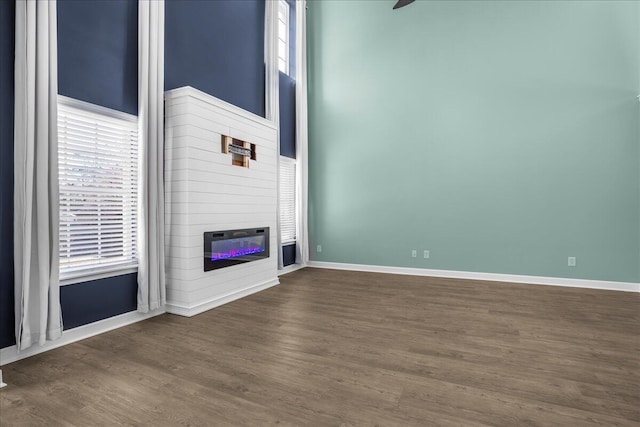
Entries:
{"x":231,"y":247}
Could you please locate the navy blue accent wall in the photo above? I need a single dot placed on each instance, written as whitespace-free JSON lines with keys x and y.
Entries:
{"x":218,"y":48}
{"x":7,"y":21}
{"x":287,"y":116}
{"x":289,"y":254}
{"x":98,"y":52}
{"x":89,"y":302}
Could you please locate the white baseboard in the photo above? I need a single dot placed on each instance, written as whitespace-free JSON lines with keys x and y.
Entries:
{"x":2,"y":384}
{"x":11,"y":354}
{"x":492,"y":277}
{"x":290,"y":269}
{"x":189,"y":311}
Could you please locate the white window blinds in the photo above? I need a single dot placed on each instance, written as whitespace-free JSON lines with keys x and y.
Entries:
{"x":287,"y":200}
{"x":98,"y":176}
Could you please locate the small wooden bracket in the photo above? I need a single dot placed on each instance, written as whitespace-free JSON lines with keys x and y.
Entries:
{"x":241,"y":151}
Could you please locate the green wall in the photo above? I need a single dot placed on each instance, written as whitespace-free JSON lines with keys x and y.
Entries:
{"x":503,"y":136}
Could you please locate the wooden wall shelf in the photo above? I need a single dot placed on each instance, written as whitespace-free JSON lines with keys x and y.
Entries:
{"x":241,"y":151}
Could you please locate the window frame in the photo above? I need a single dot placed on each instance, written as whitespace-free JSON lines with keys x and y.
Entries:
{"x":282,"y":4}
{"x":81,"y":275}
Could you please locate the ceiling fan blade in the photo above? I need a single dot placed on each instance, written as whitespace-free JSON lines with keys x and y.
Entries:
{"x":402,"y":3}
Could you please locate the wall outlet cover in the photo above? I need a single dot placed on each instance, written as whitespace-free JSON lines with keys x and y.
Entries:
{"x":414,"y":253}
{"x":427,"y":254}
{"x":571,"y":261}
{"x":319,"y":248}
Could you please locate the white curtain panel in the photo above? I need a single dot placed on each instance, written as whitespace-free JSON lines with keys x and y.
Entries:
{"x":272,"y":96}
{"x":302,"y":135}
{"x":151,"y":262}
{"x":36,"y":193}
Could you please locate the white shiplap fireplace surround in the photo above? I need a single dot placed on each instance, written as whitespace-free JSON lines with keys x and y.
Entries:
{"x":205,"y":192}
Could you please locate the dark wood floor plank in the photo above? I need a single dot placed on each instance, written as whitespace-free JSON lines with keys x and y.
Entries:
{"x":348,"y":348}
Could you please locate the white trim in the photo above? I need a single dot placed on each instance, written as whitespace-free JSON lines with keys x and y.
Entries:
{"x":290,"y":269}
{"x":97,"y":109}
{"x":11,"y":354}
{"x":492,"y":277}
{"x":82,"y":276}
{"x":189,"y":311}
{"x":2,"y":384}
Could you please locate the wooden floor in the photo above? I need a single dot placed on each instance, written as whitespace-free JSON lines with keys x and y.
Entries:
{"x":346,"y":348}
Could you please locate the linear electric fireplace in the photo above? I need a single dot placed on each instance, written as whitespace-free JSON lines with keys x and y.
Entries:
{"x":231,"y":247}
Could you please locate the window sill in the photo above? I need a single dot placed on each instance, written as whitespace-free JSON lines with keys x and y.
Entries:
{"x":82,"y":276}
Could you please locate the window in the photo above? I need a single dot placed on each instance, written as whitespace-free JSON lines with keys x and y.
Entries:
{"x":283,"y":36}
{"x":287,"y":200}
{"x":98,"y":177}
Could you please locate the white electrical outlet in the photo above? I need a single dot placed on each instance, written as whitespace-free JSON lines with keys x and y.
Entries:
{"x":414,"y":253}
{"x":571,"y":261}
{"x":427,"y":254}
{"x":319,"y":248}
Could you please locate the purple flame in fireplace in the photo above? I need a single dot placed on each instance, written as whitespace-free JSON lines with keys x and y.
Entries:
{"x":232,"y":248}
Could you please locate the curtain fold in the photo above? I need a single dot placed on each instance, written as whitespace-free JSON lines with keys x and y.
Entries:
{"x":302,"y":136}
{"x":36,"y":193}
{"x":151,"y":261}
{"x":272,"y":96}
